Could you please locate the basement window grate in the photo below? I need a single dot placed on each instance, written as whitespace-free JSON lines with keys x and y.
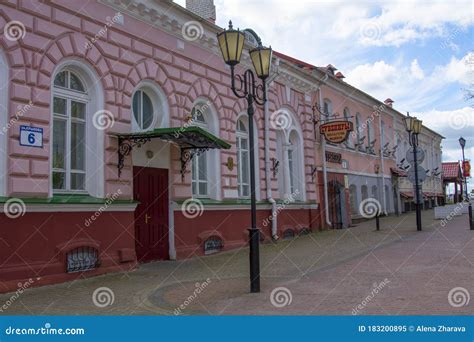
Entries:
{"x":213,"y":245}
{"x":82,"y":259}
{"x":289,"y":234}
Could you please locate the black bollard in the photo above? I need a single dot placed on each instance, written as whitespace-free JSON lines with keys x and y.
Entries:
{"x":377,"y":220}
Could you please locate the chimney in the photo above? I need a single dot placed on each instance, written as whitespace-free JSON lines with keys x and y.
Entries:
{"x":203,"y":8}
{"x":340,"y":75}
{"x":389,"y":102}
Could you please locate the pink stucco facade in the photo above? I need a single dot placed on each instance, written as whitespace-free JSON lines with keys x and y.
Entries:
{"x":147,"y":46}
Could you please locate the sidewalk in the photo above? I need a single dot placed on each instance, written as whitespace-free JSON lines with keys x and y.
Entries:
{"x":332,"y":272}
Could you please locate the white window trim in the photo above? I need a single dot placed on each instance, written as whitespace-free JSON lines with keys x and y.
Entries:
{"x":240,"y":172}
{"x":95,"y":172}
{"x":3,"y":124}
{"x":159,"y":102}
{"x":214,"y":188}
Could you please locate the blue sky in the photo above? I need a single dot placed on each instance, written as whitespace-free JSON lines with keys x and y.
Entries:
{"x":419,"y":53}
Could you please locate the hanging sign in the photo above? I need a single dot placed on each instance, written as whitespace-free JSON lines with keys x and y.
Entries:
{"x":332,"y":157}
{"x":467,"y":169}
{"x":336,"y":131}
{"x":31,"y":136}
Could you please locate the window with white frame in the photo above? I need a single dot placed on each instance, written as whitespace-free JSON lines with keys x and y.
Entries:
{"x":200,"y":163}
{"x":347,"y":117}
{"x":327,"y":109}
{"x":70,"y":101}
{"x":243,"y":159}
{"x":143,"y":111}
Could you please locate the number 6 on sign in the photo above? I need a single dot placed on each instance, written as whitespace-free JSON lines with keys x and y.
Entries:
{"x":31,"y":136}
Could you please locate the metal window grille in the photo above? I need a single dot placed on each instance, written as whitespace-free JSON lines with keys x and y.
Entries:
{"x":82,"y":259}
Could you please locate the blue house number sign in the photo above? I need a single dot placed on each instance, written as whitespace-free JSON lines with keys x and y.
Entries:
{"x":31,"y":136}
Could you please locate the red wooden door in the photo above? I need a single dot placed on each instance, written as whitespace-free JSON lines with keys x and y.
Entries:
{"x":150,"y":188}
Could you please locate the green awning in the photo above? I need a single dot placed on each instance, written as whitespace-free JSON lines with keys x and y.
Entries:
{"x":184,"y":137}
{"x":192,"y":140}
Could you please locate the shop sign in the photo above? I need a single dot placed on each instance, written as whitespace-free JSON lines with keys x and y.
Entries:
{"x":336,"y":131}
{"x":467,"y":169}
{"x":31,"y":136}
{"x":332,"y":157}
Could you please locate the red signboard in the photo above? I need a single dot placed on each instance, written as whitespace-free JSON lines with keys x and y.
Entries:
{"x":336,"y":131}
{"x":467,"y":169}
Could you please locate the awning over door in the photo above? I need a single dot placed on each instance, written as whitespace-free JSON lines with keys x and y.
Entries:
{"x":192,"y":140}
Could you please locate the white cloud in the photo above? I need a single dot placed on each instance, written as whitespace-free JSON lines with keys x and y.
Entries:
{"x":416,"y":71}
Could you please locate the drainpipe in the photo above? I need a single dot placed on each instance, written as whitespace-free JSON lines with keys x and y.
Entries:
{"x":325,"y":172}
{"x":268,"y":181}
{"x":382,"y":165}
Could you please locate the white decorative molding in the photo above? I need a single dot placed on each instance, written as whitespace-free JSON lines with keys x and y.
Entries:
{"x":61,"y":208}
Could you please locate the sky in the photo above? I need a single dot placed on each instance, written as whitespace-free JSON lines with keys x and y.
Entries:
{"x":418,"y":53}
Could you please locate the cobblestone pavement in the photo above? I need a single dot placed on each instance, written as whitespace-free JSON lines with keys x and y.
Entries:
{"x":395,"y":271}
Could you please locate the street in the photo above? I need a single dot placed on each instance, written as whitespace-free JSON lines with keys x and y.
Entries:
{"x":395,"y":271}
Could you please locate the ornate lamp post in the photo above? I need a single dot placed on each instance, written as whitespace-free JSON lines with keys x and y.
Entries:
{"x":231,"y":43}
{"x":413,"y":127}
{"x":462,"y":142}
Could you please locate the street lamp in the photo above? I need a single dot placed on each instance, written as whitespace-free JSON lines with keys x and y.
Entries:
{"x":462,"y":142}
{"x":231,"y":43}
{"x":413,"y":127}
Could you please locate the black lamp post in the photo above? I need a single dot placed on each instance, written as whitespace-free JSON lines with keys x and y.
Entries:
{"x":231,"y":43}
{"x":462,"y":142}
{"x":413,"y":127}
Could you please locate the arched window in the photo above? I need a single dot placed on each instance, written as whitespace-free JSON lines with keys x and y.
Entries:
{"x":375,"y":192}
{"x":243,"y":159}
{"x":70,"y":100}
{"x":4,"y":84}
{"x":290,"y":153}
{"x":149,"y":107}
{"x":358,"y":127}
{"x":353,"y":198}
{"x":364,"y":191}
{"x":347,"y":117}
{"x":142,"y":110}
{"x":77,"y":132}
{"x":327,"y":107}
{"x":200,"y":163}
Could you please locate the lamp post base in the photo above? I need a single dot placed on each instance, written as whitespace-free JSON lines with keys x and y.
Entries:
{"x":254,"y":244}
{"x":471,"y":223}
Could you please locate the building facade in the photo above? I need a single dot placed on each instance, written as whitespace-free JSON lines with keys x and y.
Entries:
{"x":122,"y":142}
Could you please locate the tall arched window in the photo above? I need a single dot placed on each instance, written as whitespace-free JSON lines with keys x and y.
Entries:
{"x":327,"y":107}
{"x":347,"y":117}
{"x":353,"y":198}
{"x":200,"y":163}
{"x":243,"y":160}
{"x":70,"y":100}
{"x":375,"y":193}
{"x":358,"y":128}
{"x":364,"y":191}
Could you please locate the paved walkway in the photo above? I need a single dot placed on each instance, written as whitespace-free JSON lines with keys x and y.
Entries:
{"x":395,"y":271}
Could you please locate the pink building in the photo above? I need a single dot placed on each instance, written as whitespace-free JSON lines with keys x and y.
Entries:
{"x":103,"y":106}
